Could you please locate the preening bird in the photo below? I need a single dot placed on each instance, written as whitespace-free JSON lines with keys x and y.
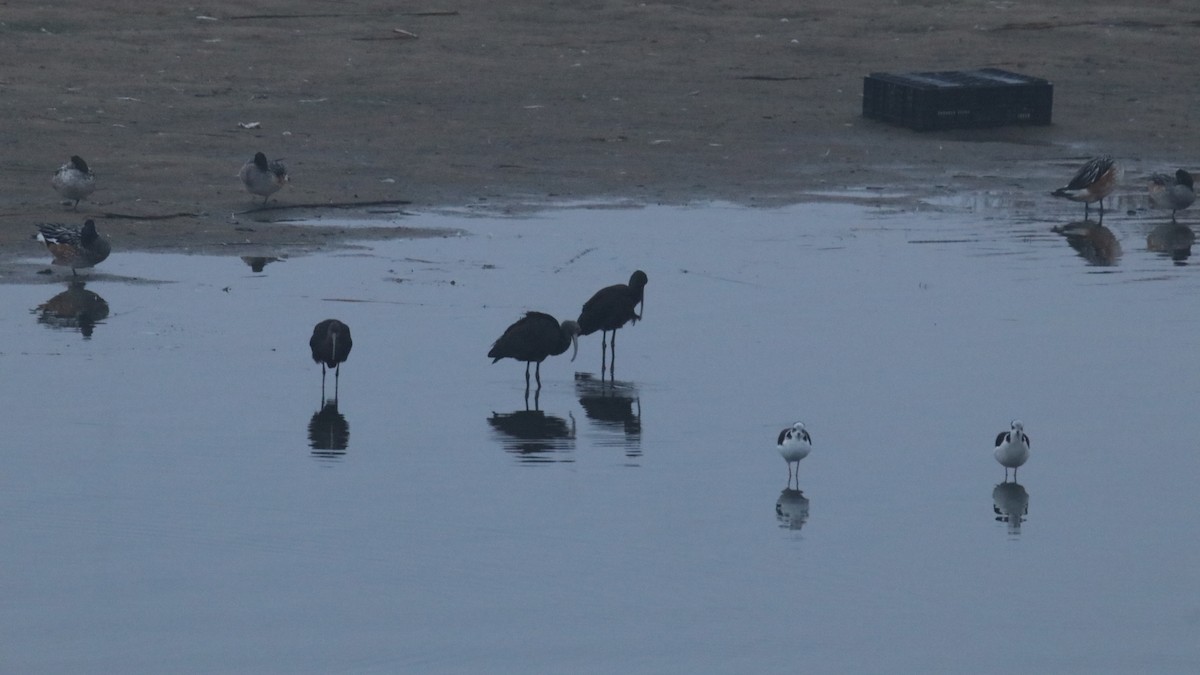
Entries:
{"x":1176,"y":193}
{"x":263,"y":178}
{"x":610,"y":308}
{"x":1094,"y":181}
{"x":74,"y":180}
{"x":73,"y":246}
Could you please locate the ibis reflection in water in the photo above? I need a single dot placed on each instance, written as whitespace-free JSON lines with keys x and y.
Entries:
{"x":74,"y":308}
{"x":609,"y":309}
{"x":534,"y":436}
{"x":613,"y":407}
{"x":532,"y":339}
{"x":328,"y":431}
{"x":330,"y":344}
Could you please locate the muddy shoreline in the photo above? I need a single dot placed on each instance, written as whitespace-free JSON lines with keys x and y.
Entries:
{"x":474,"y":105}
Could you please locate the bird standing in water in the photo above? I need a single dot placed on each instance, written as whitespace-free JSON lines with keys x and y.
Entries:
{"x":611,"y":308}
{"x":262,"y":177}
{"x":1012,"y":448}
{"x":75,"y":247}
{"x":330,"y":344}
{"x":534,"y":337}
{"x":794,"y":444}
{"x":74,"y":180}
{"x":1176,"y":193}
{"x":1094,"y":181}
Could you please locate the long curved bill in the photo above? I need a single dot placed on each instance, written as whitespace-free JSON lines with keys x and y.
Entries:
{"x":575,"y":346}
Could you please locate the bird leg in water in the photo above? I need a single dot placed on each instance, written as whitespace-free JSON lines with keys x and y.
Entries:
{"x":537,"y":374}
{"x":612,"y":362}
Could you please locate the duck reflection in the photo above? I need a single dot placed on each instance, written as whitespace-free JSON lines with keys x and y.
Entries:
{"x":791,"y":509}
{"x":1093,"y":242}
{"x":1010,"y":502}
{"x":1172,"y":239}
{"x":74,"y":308}
{"x":533,"y":436}
{"x":615,"y":407}
{"x":328,"y":432}
{"x":258,"y":262}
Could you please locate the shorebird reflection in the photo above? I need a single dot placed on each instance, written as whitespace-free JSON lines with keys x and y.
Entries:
{"x":616,"y":409}
{"x":1093,"y":242}
{"x":74,"y":308}
{"x":533,"y":436}
{"x":1173,"y":240}
{"x":1010,"y":502}
{"x":328,"y":432}
{"x":258,"y":262}
{"x":791,"y":509}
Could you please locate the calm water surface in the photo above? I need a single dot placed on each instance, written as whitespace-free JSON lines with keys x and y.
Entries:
{"x":176,"y":496}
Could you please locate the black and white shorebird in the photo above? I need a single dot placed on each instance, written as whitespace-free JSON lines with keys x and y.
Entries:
{"x":794,"y":444}
{"x":74,"y":246}
{"x":330,"y":344}
{"x":1094,"y":181}
{"x":609,"y":309}
{"x":263,"y":178}
{"x":74,"y":180}
{"x":1176,"y":193}
{"x":532,"y":339}
{"x":1012,"y":448}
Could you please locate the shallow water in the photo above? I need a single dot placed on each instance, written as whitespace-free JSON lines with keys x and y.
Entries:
{"x":175,"y":496}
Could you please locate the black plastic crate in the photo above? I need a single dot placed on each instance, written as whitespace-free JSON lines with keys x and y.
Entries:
{"x":957,"y":99}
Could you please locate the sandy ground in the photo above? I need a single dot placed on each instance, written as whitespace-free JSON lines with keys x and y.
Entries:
{"x":481,"y":103}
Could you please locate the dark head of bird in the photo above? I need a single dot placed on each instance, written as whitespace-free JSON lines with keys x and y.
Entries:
{"x":260,"y":162}
{"x":330,"y":343}
{"x":1184,"y":178}
{"x":637,"y":283}
{"x":78,"y":163}
{"x":88,"y":234}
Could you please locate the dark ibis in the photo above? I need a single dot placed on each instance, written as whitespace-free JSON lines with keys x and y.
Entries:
{"x":330,"y":344}
{"x":611,"y":308}
{"x":1094,"y":181}
{"x":534,"y":337}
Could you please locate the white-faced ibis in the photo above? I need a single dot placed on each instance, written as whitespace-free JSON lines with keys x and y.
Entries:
{"x":74,"y":180}
{"x":330,"y":344}
{"x":611,"y":308}
{"x":262,"y":177}
{"x":534,"y":337}
{"x":1092,"y":183}
{"x":1012,"y":448}
{"x":1176,"y":193}
{"x":794,"y":444}
{"x":75,"y":247}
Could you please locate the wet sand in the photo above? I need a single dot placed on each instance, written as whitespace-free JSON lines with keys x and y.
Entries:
{"x":493,"y":105}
